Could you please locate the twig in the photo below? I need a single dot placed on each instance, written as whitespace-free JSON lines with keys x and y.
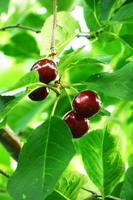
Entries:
{"x":90,"y":35}
{"x":4,"y":173}
{"x":10,"y":142}
{"x":19,"y":26}
{"x":94,"y":194}
{"x":52,"y":47}
{"x":90,"y":191}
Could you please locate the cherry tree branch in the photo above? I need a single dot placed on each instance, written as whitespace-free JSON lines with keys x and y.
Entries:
{"x":94,"y":194}
{"x":19,"y":26}
{"x":10,"y":142}
{"x":89,"y":35}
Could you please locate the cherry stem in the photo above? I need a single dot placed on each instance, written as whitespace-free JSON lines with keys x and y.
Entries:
{"x":4,"y":173}
{"x":52,"y":48}
{"x":40,"y":84}
{"x":68,"y":96}
{"x":54,"y":106}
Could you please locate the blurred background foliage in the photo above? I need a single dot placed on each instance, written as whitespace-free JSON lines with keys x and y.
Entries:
{"x":110,"y":50}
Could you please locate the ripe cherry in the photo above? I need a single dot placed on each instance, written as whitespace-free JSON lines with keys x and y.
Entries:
{"x":78,"y":125}
{"x":47,"y":70}
{"x":86,"y":103}
{"x":39,"y":94}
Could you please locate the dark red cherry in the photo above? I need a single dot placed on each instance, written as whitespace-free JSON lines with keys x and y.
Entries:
{"x":39,"y":94}
{"x":47,"y":70}
{"x":86,"y":103}
{"x":78,"y":125}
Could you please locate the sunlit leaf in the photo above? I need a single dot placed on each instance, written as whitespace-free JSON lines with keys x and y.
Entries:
{"x":117,"y":84}
{"x":65,"y":32}
{"x":127,"y":189}
{"x":101,"y":159}
{"x":44,"y":158}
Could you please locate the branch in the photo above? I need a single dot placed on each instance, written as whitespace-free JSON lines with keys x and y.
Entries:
{"x":91,"y":35}
{"x":52,"y":48}
{"x":19,"y":26}
{"x":4,"y":173}
{"x":10,"y":142}
{"x":94,"y":194}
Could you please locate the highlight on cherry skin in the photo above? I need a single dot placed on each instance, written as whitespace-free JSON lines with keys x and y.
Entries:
{"x":86,"y":103}
{"x":78,"y":125}
{"x":39,"y":94}
{"x":47,"y":70}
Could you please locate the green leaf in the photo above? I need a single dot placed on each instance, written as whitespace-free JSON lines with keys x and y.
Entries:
{"x":33,"y":20}
{"x":107,"y":8}
{"x":56,"y":195}
{"x":62,"y":5}
{"x":7,"y":103}
{"x":3,"y":123}
{"x":28,"y":80}
{"x":117,"y":190}
{"x":44,"y":158}
{"x":129,"y":39}
{"x":22,"y":45}
{"x":101,"y":159}
{"x":71,"y":183}
{"x":90,"y":14}
{"x":127,"y":189}
{"x":92,"y":3}
{"x":65,"y":32}
{"x":4,"y":5}
{"x":125,"y":13}
{"x":104,"y":112}
{"x":5,"y":196}
{"x":116,"y":84}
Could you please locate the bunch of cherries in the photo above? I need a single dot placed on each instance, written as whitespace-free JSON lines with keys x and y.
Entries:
{"x":47,"y":72}
{"x":85,"y":104}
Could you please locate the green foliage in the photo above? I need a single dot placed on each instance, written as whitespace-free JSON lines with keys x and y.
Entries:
{"x":21,"y":45}
{"x":103,"y":63}
{"x":102,"y":160}
{"x":65,"y":32}
{"x":44,"y":157}
{"x":4,"y":5}
{"x":117,"y":84}
{"x":62,"y":5}
{"x":127,"y":189}
{"x":70,"y":184}
{"x":28,"y":80}
{"x":56,"y":195}
{"x":125,"y":13}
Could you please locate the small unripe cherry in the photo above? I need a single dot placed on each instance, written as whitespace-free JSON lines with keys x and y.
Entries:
{"x":86,"y":103}
{"x":39,"y":94}
{"x":47,"y":70}
{"x":78,"y":125}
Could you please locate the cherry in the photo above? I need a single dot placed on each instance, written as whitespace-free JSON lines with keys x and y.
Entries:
{"x":78,"y":125}
{"x":86,"y":103}
{"x":39,"y":94}
{"x":47,"y":70}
